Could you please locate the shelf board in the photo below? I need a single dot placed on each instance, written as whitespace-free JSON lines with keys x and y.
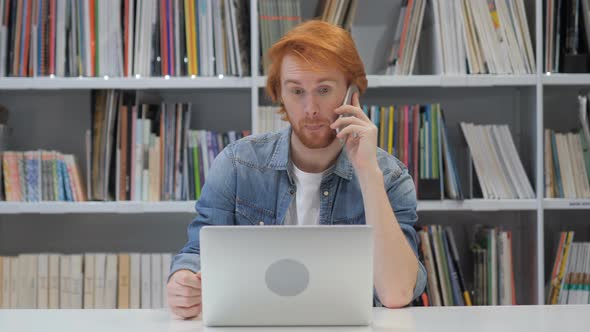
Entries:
{"x":189,"y":206}
{"x":81,"y":83}
{"x":376,"y":81}
{"x":566,"y":79}
{"x":479,"y":205}
{"x":96,"y":207}
{"x":566,"y":204}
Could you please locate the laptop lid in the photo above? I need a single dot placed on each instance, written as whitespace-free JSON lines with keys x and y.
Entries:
{"x":287,"y":275}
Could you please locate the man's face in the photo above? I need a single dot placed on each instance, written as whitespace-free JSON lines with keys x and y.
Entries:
{"x":310,"y":98}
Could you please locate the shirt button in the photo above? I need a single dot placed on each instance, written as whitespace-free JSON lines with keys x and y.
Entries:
{"x":326,"y":193}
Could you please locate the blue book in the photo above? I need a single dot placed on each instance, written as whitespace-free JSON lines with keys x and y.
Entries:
{"x":376,"y":120}
{"x":21,"y":68}
{"x":59,"y":186}
{"x":556,"y":165}
{"x":428,"y":134}
{"x":454,"y":276}
{"x":168,"y":23}
{"x":32,"y":177}
{"x":449,"y":162}
{"x":39,"y":35}
{"x":67,"y":182}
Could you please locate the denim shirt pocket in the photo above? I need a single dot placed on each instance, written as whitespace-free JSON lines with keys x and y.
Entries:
{"x":248,"y":213}
{"x":356,"y":219}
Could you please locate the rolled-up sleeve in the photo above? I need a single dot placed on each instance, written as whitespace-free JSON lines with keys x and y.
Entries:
{"x":216,"y":206}
{"x":402,"y":196}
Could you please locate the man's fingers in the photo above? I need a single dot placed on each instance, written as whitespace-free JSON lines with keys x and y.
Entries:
{"x":189,"y":280}
{"x":184,"y":301}
{"x":180,"y":290}
{"x":187,"y":312}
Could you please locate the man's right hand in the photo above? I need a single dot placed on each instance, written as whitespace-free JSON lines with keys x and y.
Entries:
{"x":184,"y":293}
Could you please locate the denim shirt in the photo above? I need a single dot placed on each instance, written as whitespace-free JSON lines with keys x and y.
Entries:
{"x":250,"y":183}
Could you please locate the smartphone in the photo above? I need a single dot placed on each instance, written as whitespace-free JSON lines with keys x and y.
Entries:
{"x":348,"y":100}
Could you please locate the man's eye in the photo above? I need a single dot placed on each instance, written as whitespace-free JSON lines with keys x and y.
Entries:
{"x":324,"y":90}
{"x":297,"y":91}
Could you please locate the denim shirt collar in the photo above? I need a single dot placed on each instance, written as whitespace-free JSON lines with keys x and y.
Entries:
{"x":281,"y":157}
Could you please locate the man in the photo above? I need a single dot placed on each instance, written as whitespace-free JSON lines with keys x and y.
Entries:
{"x":309,"y":174}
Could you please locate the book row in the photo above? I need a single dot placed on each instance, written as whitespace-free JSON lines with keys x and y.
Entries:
{"x":74,"y":38}
{"x":84,"y":281}
{"x":493,"y":271}
{"x":570,"y":276}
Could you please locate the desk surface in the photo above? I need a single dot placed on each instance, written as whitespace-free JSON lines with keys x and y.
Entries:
{"x":438,"y":319}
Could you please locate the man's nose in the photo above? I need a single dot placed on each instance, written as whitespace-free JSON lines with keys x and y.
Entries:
{"x":311,"y":106}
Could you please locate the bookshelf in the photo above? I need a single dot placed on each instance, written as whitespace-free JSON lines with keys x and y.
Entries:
{"x":53,"y":113}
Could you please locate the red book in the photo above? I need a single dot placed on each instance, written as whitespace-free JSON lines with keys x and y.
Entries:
{"x":18,"y":27}
{"x":400,"y":136}
{"x":27,"y":31}
{"x":52,"y":10}
{"x":509,"y":234}
{"x":170,"y":24}
{"x":406,"y":134}
{"x":6,"y":12}
{"x":402,"y":43}
{"x":163,"y":38}
{"x":92,"y":41}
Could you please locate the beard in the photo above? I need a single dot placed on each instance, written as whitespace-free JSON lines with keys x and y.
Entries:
{"x":314,"y":134}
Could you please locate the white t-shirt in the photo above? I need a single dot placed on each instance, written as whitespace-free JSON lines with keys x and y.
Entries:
{"x":305,"y":206}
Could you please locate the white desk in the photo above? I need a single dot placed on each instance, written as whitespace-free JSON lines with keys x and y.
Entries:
{"x":441,"y":319}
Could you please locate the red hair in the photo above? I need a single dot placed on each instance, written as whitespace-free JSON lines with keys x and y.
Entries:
{"x":317,"y":43}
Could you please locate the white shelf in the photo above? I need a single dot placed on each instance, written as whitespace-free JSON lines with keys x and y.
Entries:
{"x":96,"y":207}
{"x":376,"y":81}
{"x":189,"y":206}
{"x":84,"y":83}
{"x":566,"y":204}
{"x":479,"y":205}
{"x":566,"y":79}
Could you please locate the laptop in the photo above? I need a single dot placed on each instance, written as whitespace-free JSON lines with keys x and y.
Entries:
{"x":287,"y":275}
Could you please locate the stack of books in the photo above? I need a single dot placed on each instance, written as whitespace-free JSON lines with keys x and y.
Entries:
{"x":446,"y":284}
{"x":84,"y":281}
{"x":35,"y":176}
{"x":275,"y":18}
{"x":570,"y":276}
{"x":567,"y":159}
{"x":147,"y":152}
{"x":498,"y":166}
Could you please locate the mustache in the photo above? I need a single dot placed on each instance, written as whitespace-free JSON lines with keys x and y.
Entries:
{"x":306,"y":122}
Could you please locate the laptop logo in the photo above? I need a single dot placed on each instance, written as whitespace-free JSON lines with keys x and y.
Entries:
{"x":287,"y":277}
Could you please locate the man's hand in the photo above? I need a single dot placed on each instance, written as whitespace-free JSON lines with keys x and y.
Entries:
{"x":184,"y":293}
{"x":360,"y":135}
